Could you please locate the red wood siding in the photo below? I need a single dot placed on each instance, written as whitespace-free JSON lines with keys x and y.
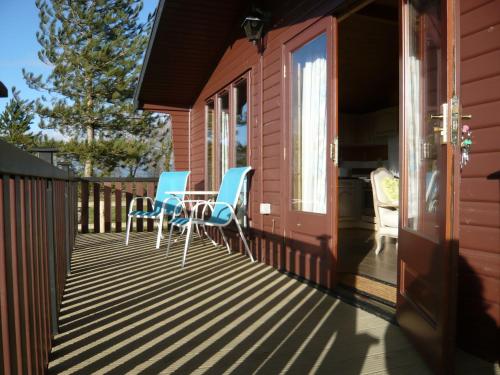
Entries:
{"x":479,"y":272}
{"x":180,"y":134}
{"x":266,"y":126}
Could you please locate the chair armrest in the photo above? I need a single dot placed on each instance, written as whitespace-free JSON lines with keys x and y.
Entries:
{"x":179,"y":203}
{"x":231,"y":209}
{"x":182,"y":204}
{"x":130,"y":209}
{"x":201,"y":203}
{"x":388,"y":205}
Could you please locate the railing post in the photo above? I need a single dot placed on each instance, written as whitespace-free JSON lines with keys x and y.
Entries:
{"x":67,"y":215}
{"x":52,"y":255}
{"x":67,"y":220}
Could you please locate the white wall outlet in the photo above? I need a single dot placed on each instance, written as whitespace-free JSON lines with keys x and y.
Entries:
{"x":265,"y":208}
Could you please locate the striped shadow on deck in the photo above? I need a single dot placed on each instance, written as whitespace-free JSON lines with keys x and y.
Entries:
{"x":132,"y":310}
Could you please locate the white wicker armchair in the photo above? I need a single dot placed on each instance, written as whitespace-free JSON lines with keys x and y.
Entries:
{"x":386,"y":209}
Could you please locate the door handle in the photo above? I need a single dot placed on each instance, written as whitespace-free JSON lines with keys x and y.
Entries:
{"x":466,"y":117}
{"x":443,"y":130}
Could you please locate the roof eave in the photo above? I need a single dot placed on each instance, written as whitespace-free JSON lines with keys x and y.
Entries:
{"x":159,"y":11}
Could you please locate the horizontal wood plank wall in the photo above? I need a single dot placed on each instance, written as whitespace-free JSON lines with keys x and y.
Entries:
{"x":266,"y":123}
{"x":180,"y":134}
{"x":479,"y":272}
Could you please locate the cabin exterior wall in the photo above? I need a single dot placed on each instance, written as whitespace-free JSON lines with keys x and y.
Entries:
{"x":479,"y":263}
{"x":479,"y":270}
{"x":265,"y":72}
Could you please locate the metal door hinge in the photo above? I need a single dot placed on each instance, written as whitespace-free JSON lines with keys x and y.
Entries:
{"x":334,"y":151}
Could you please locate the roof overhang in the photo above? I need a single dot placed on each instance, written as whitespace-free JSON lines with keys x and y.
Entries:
{"x":3,"y":91}
{"x":188,"y":39}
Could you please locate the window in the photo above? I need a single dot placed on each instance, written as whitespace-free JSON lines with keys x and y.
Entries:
{"x":210,"y":113}
{"x":226,"y":131}
{"x":241,"y":128}
{"x":223,"y":133}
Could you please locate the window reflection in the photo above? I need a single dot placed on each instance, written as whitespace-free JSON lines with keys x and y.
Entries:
{"x":424,"y":95}
{"x":241,"y":141}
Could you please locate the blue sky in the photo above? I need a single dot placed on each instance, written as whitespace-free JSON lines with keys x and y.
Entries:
{"x":19,"y":47}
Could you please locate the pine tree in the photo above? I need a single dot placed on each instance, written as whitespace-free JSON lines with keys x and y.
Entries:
{"x":94,"y":48}
{"x":16,"y":120}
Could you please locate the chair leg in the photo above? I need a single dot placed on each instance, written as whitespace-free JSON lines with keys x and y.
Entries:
{"x":378,"y":242}
{"x":208,"y":236}
{"x":129,"y":221}
{"x":169,"y":238}
{"x":188,"y":239}
{"x":245,"y":243}
{"x":225,"y":240}
{"x":159,"y":236}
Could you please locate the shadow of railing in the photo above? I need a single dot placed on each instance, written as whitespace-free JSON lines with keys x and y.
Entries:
{"x":221,"y":312}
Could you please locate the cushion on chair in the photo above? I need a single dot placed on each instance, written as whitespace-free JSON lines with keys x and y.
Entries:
{"x":379,"y":176}
{"x":388,"y":217}
{"x":179,"y":221}
{"x":390,"y":187}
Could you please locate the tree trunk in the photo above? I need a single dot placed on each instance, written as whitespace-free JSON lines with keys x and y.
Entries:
{"x":89,"y":167}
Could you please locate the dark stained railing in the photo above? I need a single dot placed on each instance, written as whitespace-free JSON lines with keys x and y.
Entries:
{"x":104,"y":203}
{"x":38,"y":225}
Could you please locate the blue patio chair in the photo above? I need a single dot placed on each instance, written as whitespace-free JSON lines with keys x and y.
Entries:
{"x":222,"y":211}
{"x":164,"y":202}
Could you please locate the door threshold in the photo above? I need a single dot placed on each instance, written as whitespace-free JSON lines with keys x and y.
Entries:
{"x":383,"y":309}
{"x":366,"y":302}
{"x":369,"y":287}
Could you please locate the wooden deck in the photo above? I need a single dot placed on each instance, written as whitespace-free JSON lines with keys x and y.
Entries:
{"x":132,"y":310}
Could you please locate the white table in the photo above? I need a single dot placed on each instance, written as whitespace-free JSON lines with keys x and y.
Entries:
{"x":193,"y":192}
{"x":192,"y":202}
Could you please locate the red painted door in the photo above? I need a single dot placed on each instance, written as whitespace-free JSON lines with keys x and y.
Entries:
{"x":310,"y":80}
{"x":428,"y":234}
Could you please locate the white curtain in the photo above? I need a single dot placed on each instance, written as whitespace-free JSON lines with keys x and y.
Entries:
{"x":311,"y":78}
{"x":414,"y":136}
{"x":224,"y":157}
{"x":313,"y":121}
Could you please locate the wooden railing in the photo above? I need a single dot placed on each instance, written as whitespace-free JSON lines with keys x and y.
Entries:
{"x":104,"y":203}
{"x":38,"y":225}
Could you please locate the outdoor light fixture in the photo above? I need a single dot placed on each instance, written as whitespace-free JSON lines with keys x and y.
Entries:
{"x":254,"y":23}
{"x":253,"y":27}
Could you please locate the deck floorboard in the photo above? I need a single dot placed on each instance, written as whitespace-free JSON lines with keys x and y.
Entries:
{"x":133,"y":310}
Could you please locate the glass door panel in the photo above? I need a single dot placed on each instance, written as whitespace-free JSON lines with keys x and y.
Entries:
{"x":309,"y":126}
{"x":424,"y":83}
